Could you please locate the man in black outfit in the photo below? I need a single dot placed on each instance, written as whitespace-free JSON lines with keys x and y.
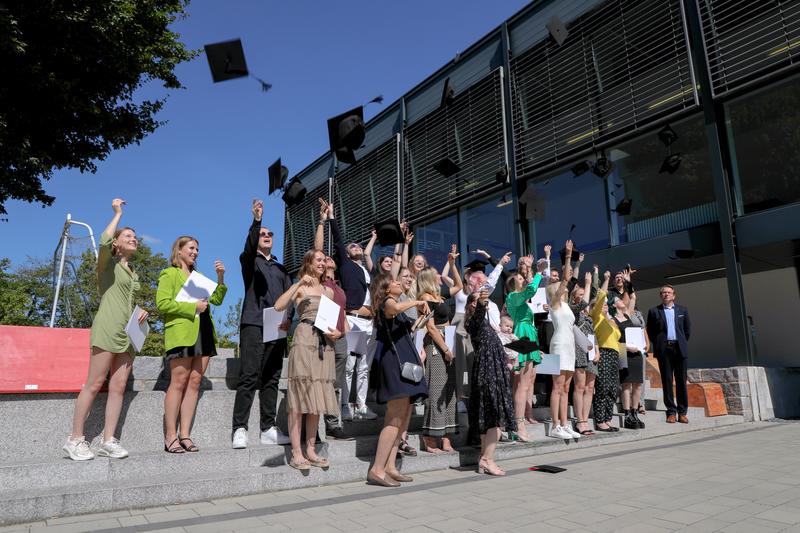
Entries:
{"x":669,"y":328}
{"x":261,"y":362}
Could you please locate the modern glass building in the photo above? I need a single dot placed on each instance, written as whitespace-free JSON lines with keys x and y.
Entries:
{"x":534,"y":124}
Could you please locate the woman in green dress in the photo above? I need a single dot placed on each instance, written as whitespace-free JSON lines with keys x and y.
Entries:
{"x":110,"y":347}
{"x":521,"y":287}
{"x":189,"y":341}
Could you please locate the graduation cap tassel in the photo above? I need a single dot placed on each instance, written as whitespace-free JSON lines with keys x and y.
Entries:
{"x":264,"y":85}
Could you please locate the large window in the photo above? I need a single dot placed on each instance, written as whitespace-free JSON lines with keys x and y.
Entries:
{"x":765,"y":132}
{"x":433,"y":240}
{"x":662,"y":201}
{"x":490,"y":227}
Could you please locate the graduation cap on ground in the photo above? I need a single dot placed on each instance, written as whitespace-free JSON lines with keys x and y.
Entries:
{"x":226,"y":61}
{"x":523,"y":345}
{"x":558,"y":31}
{"x":277,"y":176}
{"x":446,"y":167}
{"x":624,"y":207}
{"x":389,"y":233}
{"x":476,"y":265}
{"x":294,"y":193}
{"x":346,"y":133}
{"x":448,"y":93}
{"x":547,"y":468}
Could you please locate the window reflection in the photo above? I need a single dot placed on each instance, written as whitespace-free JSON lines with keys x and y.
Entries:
{"x":434,"y":240}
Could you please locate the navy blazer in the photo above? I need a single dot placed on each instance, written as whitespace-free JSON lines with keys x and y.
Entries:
{"x":657,"y":329}
{"x":351,"y":274}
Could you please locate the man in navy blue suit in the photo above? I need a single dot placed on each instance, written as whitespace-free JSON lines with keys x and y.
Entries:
{"x":669,"y":328}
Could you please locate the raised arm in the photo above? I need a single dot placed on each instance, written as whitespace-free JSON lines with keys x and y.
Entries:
{"x":565,"y":276}
{"x":251,"y":242}
{"x":409,"y":236}
{"x":494,"y":277}
{"x":396,"y":258}
{"x":445,"y":271}
{"x":219,"y":293}
{"x":116,"y":205}
{"x":451,"y":262}
{"x":319,"y":235}
{"x":340,"y":254}
{"x":104,"y":255}
{"x":587,"y":287}
{"x":368,"y":251}
{"x":392,"y":307}
{"x":576,"y":272}
{"x":631,"y":304}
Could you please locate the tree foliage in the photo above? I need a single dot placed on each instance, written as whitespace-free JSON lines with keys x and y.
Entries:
{"x":68,"y":74}
{"x":26,"y":294}
{"x":228,"y":328}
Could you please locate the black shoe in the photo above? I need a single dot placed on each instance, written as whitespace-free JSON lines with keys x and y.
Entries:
{"x":637,"y":419}
{"x":629,"y":422}
{"x":337,"y":434}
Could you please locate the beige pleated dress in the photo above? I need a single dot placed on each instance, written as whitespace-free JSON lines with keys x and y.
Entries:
{"x":312,"y":366}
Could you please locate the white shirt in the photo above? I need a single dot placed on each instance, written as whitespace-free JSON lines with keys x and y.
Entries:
{"x":491,"y":281}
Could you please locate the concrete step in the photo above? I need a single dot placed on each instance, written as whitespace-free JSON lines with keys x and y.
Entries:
{"x":146,"y":479}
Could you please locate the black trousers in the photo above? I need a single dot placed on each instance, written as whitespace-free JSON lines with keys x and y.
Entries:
{"x":340,"y":352}
{"x":260,"y":370}
{"x":672,"y":365}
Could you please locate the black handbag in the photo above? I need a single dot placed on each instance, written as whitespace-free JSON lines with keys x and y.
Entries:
{"x":411,"y":371}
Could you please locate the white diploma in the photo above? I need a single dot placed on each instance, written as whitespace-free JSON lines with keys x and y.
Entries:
{"x":591,"y":353}
{"x":635,"y":337}
{"x":356,"y":341}
{"x":550,"y":365}
{"x":270,"y":329}
{"x":327,"y":314}
{"x":538,"y":301}
{"x":449,"y":338}
{"x":137,"y":333}
{"x":197,"y":287}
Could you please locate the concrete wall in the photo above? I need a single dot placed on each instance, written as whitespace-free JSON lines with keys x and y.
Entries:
{"x":773,"y":300}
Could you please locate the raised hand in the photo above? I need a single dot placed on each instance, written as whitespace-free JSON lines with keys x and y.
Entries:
{"x":587,"y":278}
{"x":483,"y":296}
{"x":568,"y":245}
{"x":323,"y":210}
{"x":257,"y":209}
{"x":116,"y":205}
{"x":451,"y":257}
{"x":606,"y":275}
{"x":219,"y":267}
{"x":596,"y":269}
{"x":505,"y":259}
{"x":547,"y":249}
{"x":409,"y":237}
{"x":580,"y":257}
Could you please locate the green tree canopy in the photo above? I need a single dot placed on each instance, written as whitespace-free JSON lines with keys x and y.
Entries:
{"x":68,"y":73}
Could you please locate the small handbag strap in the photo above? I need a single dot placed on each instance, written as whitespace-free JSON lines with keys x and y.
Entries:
{"x":382,"y":322}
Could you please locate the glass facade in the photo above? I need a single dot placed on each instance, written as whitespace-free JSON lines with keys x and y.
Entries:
{"x":765,"y":135}
{"x":433,"y":240}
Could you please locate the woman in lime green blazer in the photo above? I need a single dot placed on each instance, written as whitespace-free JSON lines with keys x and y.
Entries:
{"x":189,"y":340}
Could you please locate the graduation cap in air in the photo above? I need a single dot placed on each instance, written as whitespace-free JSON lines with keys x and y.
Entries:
{"x":226,"y":61}
{"x":446,"y":167}
{"x":624,"y":207}
{"x":558,"y":31}
{"x":277,"y":176}
{"x":448,"y":93}
{"x":476,"y":265}
{"x":523,"y":345}
{"x":346,"y":133}
{"x":294,"y":193}
{"x":389,"y":233}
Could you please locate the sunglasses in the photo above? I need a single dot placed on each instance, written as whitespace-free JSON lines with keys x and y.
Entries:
{"x":266,"y":234}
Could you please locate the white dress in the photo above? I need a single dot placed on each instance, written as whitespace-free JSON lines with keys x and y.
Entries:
{"x":563,"y":340}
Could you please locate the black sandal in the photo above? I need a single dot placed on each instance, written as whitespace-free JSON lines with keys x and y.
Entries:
{"x":171,"y":448}
{"x":406,"y":449}
{"x":191,"y":447}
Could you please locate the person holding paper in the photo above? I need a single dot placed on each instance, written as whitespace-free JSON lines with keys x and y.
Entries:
{"x":312,"y":362}
{"x":394,"y":348}
{"x":491,"y":406}
{"x":261,"y":363}
{"x":632,"y":376}
{"x":607,"y":336}
{"x":585,"y":366}
{"x":440,"y":371}
{"x":669,"y":327}
{"x":520,"y":290}
{"x":189,"y":341}
{"x":112,"y":353}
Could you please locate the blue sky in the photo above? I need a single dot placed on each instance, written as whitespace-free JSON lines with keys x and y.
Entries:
{"x":198,"y":174}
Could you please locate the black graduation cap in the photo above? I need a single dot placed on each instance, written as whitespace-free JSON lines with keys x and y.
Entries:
{"x":624,"y":207}
{"x":277,"y":176}
{"x":557,"y":30}
{"x":523,"y":345}
{"x":684,"y":254}
{"x":575,"y":255}
{"x":346,"y":133}
{"x":446,"y":167}
{"x":294,"y":193}
{"x":476,"y":265}
{"x":602,"y":167}
{"x":667,"y":135}
{"x":226,"y":60}
{"x":581,"y":168}
{"x":389,"y":232}
{"x":448,"y":93}
{"x":550,"y":469}
{"x":670,"y":164}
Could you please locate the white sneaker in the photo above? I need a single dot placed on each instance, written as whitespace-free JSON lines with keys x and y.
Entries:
{"x":364,"y":412}
{"x":78,"y":449}
{"x":347,"y":411}
{"x":274,"y":436}
{"x":461,"y":407}
{"x":239,"y":439}
{"x":560,"y":433}
{"x":110,"y":448}
{"x":575,"y":434}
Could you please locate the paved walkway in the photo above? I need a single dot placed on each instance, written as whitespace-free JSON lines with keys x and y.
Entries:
{"x":743,"y":478}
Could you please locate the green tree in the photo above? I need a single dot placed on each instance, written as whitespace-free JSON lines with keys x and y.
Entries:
{"x":228,"y":329}
{"x":68,"y":74}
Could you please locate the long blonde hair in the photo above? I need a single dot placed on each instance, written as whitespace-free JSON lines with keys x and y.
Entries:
{"x":427,"y":282}
{"x":179,"y":243}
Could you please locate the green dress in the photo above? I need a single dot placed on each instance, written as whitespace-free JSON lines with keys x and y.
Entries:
{"x":116,"y":284}
{"x":521,"y":314}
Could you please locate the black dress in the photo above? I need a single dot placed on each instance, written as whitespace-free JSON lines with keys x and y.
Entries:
{"x":391,"y":384}
{"x":490,"y":399}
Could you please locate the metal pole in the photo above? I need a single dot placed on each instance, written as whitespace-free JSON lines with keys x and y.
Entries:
{"x":91,"y":235}
{"x":63,"y":241}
